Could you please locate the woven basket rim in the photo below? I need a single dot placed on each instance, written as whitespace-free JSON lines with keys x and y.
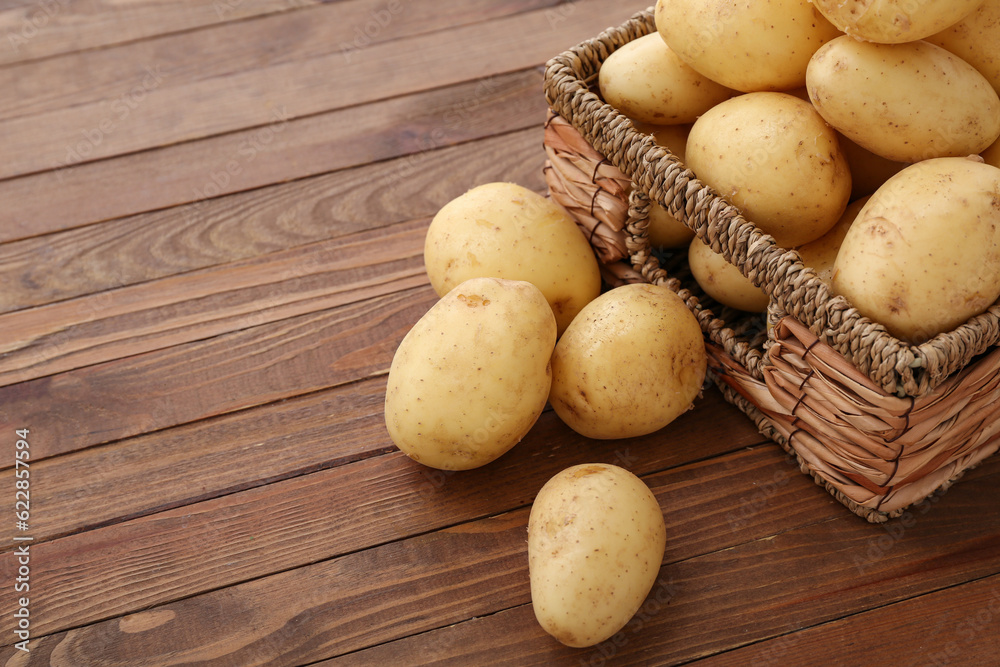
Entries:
{"x":899,"y":367}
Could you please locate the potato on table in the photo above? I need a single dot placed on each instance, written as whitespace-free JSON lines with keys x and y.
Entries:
{"x":596,"y":539}
{"x":472,"y":376}
{"x":630,"y":363}
{"x":504,"y":230}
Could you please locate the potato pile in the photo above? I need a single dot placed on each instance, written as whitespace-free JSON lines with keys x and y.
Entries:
{"x":473,"y":375}
{"x":522,"y":322}
{"x":849,"y":130}
{"x":808,"y":115}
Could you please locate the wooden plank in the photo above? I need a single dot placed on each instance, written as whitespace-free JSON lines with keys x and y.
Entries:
{"x":329,"y":605}
{"x":350,"y":508}
{"x":751,"y":592}
{"x":291,"y":150}
{"x":208,"y":459}
{"x":53,"y":27}
{"x":286,"y":31}
{"x":192,"y":381}
{"x":201,"y":304}
{"x":954,"y":626}
{"x":241,"y":450}
{"x":170,"y":112}
{"x":148,"y":246}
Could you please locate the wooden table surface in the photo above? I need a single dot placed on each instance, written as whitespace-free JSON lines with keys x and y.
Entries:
{"x":211,"y":224}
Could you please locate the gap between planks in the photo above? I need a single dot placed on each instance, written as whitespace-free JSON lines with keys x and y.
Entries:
{"x":405,"y":126}
{"x":175,"y":112}
{"x":141,"y":248}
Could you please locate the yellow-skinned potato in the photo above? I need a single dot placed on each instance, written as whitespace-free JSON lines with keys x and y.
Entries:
{"x":666,"y":231}
{"x":596,"y":538}
{"x":923,"y":255}
{"x":472,"y":376}
{"x":904,"y":102}
{"x":992,"y":154}
{"x":894,"y":21}
{"x":646,"y":81}
{"x":742,"y":44}
{"x":821,"y":254}
{"x":773,"y":156}
{"x":722,"y":281}
{"x":630,"y":363}
{"x":505,"y":230}
{"x":976,"y":40}
{"x":868,"y":170}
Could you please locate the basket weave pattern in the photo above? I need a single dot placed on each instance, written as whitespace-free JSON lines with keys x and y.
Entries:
{"x":879,"y":422}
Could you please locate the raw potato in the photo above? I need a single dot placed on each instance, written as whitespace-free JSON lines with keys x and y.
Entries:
{"x":596,"y":538}
{"x":630,"y":363}
{"x":772,"y":156}
{"x":471,"y":377}
{"x":646,"y":81}
{"x":976,"y":40}
{"x":992,"y":154}
{"x":507,"y":231}
{"x":821,"y":254}
{"x":742,"y":44}
{"x":868,"y":171}
{"x":923,"y":256}
{"x":666,"y":231}
{"x":722,"y":281}
{"x":904,"y":102}
{"x":894,"y":21}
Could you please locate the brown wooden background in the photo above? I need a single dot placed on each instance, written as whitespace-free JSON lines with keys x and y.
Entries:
{"x":211,"y":223}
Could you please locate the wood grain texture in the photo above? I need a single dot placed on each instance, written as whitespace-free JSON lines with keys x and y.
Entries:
{"x":330,"y":604}
{"x":334,"y":612}
{"x":157,"y":111}
{"x":953,"y":626}
{"x":210,"y":239}
{"x":192,"y":381}
{"x":209,"y":458}
{"x":195,"y":172}
{"x":283,"y":32}
{"x":203,"y":304}
{"x":144,"y":247}
{"x":164,"y":555}
{"x":35,"y":30}
{"x":754,"y":591}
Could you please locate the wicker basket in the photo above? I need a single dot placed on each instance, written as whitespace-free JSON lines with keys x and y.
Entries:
{"x":881,"y":423}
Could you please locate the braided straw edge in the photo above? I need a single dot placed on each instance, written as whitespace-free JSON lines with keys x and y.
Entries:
{"x":898,"y":367}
